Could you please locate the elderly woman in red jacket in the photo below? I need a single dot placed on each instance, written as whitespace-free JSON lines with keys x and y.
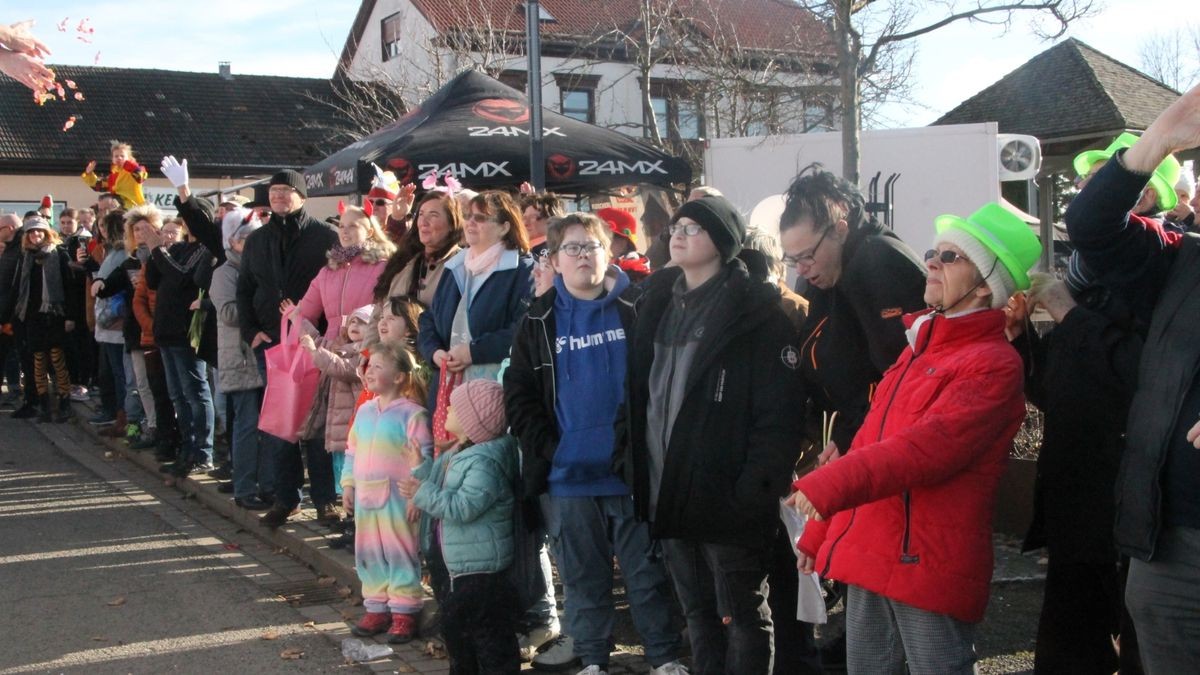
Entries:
{"x":905,"y":518}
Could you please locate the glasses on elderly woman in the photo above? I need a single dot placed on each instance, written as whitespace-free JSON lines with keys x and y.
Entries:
{"x":946,"y":257}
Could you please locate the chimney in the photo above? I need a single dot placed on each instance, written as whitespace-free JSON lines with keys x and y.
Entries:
{"x":224,"y":70}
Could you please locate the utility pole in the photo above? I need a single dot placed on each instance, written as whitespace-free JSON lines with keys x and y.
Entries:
{"x":537,"y":162}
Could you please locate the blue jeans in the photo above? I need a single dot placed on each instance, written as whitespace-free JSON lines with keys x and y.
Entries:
{"x":187,"y":383}
{"x":718,"y":583}
{"x":585,"y":533}
{"x":113,"y":356}
{"x":253,"y":470}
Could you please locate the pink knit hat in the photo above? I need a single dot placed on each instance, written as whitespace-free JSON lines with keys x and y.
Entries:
{"x":479,"y":407}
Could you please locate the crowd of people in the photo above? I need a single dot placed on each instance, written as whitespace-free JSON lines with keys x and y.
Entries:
{"x":504,"y":388}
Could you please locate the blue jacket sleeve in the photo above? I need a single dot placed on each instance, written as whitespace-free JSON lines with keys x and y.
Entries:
{"x":493,"y":347}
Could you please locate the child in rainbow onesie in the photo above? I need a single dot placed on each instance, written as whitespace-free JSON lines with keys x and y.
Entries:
{"x":125,"y":176}
{"x":387,"y":545}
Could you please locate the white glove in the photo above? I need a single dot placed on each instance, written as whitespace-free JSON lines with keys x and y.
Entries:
{"x":174,"y":171}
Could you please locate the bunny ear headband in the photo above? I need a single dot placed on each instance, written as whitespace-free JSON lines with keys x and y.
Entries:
{"x":367,"y":207}
{"x":451,"y":184}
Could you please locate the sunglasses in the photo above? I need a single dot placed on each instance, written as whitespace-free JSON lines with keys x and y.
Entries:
{"x":381,"y":202}
{"x":946,"y":257}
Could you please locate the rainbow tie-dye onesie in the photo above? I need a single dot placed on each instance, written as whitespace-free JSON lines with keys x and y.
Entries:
{"x":386,"y":544}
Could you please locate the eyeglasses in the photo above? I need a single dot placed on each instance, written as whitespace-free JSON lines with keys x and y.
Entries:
{"x":806,"y":259}
{"x":946,"y":257}
{"x":381,"y":202}
{"x":576,"y":250}
{"x":689,"y":229}
{"x":482,"y":218}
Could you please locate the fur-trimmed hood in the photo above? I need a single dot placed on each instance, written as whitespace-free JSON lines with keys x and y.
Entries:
{"x":372,"y":252}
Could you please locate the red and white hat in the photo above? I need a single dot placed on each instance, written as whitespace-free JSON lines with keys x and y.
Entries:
{"x":622,"y":223}
{"x":384,"y":185}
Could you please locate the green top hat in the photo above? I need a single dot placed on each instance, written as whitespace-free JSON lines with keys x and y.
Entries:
{"x":1162,"y":180}
{"x":1003,"y":233}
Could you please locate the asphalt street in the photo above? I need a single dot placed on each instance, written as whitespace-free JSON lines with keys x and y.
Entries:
{"x":103,"y":570}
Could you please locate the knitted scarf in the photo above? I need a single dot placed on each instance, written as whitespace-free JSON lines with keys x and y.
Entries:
{"x":485,"y":261}
{"x":53,"y":297}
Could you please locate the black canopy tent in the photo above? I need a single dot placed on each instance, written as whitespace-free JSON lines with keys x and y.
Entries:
{"x":477,"y":128}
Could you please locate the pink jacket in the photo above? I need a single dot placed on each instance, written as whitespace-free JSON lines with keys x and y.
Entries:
{"x":340,"y":289}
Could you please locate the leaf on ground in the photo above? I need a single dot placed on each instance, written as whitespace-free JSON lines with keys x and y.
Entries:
{"x":405,"y":668}
{"x":435,"y":650}
{"x":292,"y":654}
{"x":98,"y":638}
{"x":326,"y":581}
{"x":310,"y":624}
{"x":231,"y":547}
{"x":269,"y":635}
{"x":345,"y":591}
{"x":348,"y":614}
{"x":117,"y":601}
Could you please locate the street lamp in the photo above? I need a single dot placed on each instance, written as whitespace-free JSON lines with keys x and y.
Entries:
{"x":537,"y":163}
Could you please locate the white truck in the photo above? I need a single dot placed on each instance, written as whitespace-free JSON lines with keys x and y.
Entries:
{"x":942,"y":169}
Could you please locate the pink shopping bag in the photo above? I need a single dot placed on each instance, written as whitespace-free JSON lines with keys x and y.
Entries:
{"x":292,"y":382}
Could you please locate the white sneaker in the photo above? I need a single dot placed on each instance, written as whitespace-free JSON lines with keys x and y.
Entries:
{"x":672,"y":668}
{"x":530,"y":642}
{"x":559,"y":655}
{"x":592,"y":670}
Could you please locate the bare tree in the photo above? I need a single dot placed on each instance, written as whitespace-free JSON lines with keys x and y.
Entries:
{"x":1172,"y":58}
{"x":866,"y":32}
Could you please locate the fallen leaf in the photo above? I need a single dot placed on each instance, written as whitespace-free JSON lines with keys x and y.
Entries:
{"x":405,"y":668}
{"x":326,"y":581}
{"x":434,"y":650}
{"x":97,"y":638}
{"x":231,"y":547}
{"x":269,"y":635}
{"x":117,"y":601}
{"x":345,"y":592}
{"x":348,"y":614}
{"x":292,"y":654}
{"x":310,"y":624}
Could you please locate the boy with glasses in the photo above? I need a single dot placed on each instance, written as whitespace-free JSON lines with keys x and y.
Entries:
{"x":563,"y":387}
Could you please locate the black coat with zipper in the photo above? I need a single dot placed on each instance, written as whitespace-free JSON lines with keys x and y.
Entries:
{"x":529,"y":386}
{"x":735,"y":439}
{"x":171,"y":273}
{"x":854,"y":331}
{"x":280,"y":261}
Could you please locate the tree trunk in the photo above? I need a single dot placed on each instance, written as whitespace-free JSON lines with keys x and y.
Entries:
{"x":848,"y":92}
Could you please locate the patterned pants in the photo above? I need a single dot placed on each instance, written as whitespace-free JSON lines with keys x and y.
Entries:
{"x":387,"y":558}
{"x":62,"y":379}
{"x":882,"y":634}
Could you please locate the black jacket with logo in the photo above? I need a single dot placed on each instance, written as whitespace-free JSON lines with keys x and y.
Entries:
{"x":736,"y":436}
{"x":854,"y":332}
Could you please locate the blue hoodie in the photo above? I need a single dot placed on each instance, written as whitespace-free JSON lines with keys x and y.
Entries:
{"x":589,"y":376}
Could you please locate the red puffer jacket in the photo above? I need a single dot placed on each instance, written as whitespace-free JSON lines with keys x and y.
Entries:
{"x":909,"y":509}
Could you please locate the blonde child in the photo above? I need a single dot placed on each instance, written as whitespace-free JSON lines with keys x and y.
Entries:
{"x":395,"y":323}
{"x":339,"y":363}
{"x":125,"y":175}
{"x":386,"y":553}
{"x":468,"y":493}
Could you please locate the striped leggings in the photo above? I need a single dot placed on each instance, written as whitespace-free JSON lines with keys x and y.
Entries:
{"x":62,"y":378}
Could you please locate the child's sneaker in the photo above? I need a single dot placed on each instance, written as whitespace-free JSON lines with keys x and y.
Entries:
{"x":372,"y":623}
{"x":404,"y":629}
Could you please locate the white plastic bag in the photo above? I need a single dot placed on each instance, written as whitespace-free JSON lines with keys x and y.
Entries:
{"x":810,"y":602}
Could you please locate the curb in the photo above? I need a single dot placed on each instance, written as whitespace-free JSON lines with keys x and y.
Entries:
{"x":301,"y":536}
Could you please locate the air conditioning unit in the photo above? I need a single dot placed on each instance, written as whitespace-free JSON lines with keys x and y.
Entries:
{"x":1020,"y":156}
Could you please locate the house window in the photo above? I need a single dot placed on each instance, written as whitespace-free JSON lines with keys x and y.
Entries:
{"x":577,"y":104}
{"x":677,"y":115}
{"x":389,"y":29}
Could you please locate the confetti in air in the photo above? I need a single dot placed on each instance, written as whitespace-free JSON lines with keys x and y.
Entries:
{"x":69,"y":123}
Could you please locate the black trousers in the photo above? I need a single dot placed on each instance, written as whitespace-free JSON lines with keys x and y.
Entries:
{"x":796,"y":650}
{"x":1082,"y":610}
{"x":479,"y":625}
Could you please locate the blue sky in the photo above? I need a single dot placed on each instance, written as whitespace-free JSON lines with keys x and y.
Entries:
{"x":304,"y":38}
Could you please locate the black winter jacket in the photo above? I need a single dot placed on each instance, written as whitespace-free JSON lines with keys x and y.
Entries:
{"x":1081,"y":375}
{"x":529,"y":386}
{"x":280,"y":261}
{"x":172,"y":275}
{"x":736,"y":436}
{"x":1157,"y":277}
{"x":854,"y":331}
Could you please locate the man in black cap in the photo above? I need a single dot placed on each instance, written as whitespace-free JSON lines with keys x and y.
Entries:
{"x":712,"y":432}
{"x":279,"y":262}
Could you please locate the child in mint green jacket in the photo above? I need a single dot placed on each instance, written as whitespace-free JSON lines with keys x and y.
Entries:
{"x":467,"y":494}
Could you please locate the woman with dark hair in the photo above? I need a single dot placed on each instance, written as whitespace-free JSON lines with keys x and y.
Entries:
{"x":416,"y":268}
{"x":110,"y":242}
{"x":468,"y":328}
{"x":862,"y":278}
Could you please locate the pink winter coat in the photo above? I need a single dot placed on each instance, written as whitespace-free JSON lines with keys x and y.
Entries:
{"x":342,"y":288}
{"x":340,"y":365}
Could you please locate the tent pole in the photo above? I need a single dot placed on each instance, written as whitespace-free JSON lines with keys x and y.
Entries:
{"x":537,"y":165}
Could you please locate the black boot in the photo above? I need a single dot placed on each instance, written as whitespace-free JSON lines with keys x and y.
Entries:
{"x":62,"y":413}
{"x":45,"y":410}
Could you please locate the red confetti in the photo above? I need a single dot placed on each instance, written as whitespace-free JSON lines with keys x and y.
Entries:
{"x":70,"y":84}
{"x":79,"y":96}
{"x":83,"y":39}
{"x":62,"y":25}
{"x":231,"y":547}
{"x":69,"y":123}
{"x":83,"y":26}
{"x":58,"y":89}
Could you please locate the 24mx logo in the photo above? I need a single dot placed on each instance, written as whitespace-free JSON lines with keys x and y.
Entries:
{"x":512,"y":131}
{"x":595,"y":168}
{"x":460,"y":170}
